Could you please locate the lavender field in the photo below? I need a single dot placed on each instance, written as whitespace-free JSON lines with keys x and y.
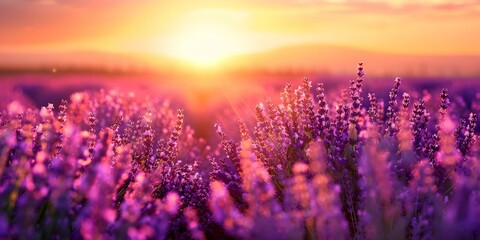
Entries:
{"x":315,"y":163}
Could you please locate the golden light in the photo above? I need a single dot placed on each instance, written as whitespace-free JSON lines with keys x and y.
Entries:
{"x":205,"y":44}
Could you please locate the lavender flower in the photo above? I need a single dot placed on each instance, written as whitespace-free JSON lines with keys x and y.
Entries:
{"x":113,"y":165}
{"x":392,"y":119}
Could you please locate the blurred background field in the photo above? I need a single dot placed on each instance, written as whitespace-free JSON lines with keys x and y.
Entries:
{"x":211,"y":97}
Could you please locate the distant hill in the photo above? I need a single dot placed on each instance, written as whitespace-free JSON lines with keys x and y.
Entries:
{"x":76,"y":61}
{"x":341,"y":60}
{"x":311,"y":58}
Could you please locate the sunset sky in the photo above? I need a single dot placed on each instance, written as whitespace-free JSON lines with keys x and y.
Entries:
{"x":206,"y":31}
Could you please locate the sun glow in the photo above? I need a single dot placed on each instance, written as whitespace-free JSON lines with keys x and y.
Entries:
{"x":205,"y":44}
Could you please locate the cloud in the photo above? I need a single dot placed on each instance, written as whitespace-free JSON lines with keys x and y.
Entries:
{"x":87,"y":23}
{"x":376,"y":5}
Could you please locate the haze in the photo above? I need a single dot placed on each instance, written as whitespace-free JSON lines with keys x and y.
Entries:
{"x":236,"y":34}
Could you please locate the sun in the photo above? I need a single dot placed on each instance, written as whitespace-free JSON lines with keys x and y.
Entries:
{"x":204,"y":44}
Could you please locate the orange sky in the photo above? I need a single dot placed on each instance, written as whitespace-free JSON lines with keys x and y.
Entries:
{"x":224,"y":28}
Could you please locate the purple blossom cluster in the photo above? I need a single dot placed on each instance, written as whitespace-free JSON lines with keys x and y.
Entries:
{"x":108,"y":165}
